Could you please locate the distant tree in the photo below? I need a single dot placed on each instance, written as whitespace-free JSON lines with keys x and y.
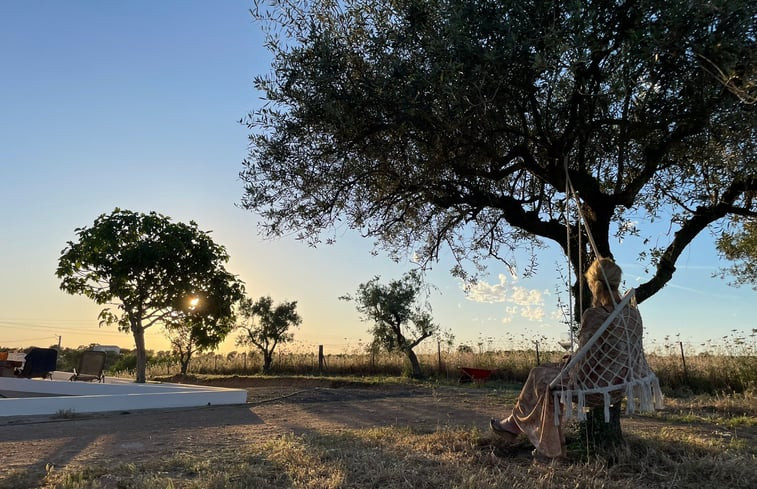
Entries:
{"x":455,"y":123}
{"x":265,"y":326}
{"x":128,"y":361}
{"x":464,"y":348}
{"x":183,"y":344}
{"x":68,"y":358}
{"x":188,"y":337}
{"x":193,"y":331}
{"x":150,"y":268}
{"x":400,"y":320}
{"x":741,"y":247}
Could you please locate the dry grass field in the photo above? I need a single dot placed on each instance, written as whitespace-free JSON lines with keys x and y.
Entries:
{"x":298,"y":432}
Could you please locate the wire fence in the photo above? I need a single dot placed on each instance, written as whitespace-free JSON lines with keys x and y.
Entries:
{"x":726,"y":365}
{"x":679,"y":374}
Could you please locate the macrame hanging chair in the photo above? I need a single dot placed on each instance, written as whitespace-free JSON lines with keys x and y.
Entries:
{"x":611,"y":364}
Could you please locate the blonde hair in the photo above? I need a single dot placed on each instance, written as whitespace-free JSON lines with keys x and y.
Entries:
{"x":603,"y":272}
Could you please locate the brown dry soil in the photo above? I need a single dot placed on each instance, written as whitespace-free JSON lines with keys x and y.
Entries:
{"x":275,"y":407}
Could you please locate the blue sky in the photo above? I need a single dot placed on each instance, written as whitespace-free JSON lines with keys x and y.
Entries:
{"x":135,"y":105}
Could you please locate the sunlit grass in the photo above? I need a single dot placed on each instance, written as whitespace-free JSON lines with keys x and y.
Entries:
{"x":396,"y":457}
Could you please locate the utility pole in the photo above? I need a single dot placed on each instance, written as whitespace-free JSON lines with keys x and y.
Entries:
{"x":59,"y":338}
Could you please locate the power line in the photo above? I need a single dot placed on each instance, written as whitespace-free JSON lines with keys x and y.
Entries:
{"x":29,"y":339}
{"x":45,"y":320}
{"x":56,"y":329}
{"x":37,"y":324}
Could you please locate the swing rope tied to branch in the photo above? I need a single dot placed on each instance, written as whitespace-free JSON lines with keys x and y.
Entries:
{"x":611,"y":364}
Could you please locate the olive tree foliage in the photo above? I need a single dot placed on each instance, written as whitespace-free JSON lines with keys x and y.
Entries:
{"x":741,"y":247}
{"x":265,"y":326}
{"x":401,"y":320}
{"x":456,"y":124}
{"x":149,"y":270}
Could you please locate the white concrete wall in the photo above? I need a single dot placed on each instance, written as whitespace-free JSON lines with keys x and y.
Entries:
{"x":116,"y":395}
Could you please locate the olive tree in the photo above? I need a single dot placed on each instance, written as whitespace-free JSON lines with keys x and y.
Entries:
{"x":149,"y":270}
{"x":401,"y":321}
{"x":265,"y":326}
{"x":458,"y":124}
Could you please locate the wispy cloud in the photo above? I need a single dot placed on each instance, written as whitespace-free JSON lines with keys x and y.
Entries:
{"x":532,"y":313}
{"x":488,"y":293}
{"x":520,"y":301}
{"x":526,"y":297}
{"x":701,"y":292}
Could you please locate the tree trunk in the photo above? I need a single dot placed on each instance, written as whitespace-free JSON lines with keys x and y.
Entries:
{"x":267,"y":360}
{"x":601,"y":438}
{"x":185,"y":364}
{"x":414,"y":364}
{"x":139,"y":343}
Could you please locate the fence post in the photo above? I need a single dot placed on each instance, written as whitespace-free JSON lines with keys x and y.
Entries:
{"x":683,"y":360}
{"x":320,"y":359}
{"x":538,"y":360}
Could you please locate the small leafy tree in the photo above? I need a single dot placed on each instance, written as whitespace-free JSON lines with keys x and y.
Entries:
{"x":150,"y":268}
{"x":187,"y":338}
{"x":400,"y":322}
{"x":183,"y":344}
{"x":741,"y":247}
{"x":265,"y":326}
{"x":190,"y":331}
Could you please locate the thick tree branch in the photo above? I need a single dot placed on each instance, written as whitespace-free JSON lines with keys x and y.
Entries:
{"x":690,"y":228}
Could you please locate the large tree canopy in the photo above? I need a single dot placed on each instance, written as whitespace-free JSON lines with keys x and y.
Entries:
{"x":426,"y":124}
{"x":154,"y":271}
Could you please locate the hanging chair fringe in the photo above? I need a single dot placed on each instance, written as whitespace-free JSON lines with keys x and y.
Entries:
{"x":630,"y":390}
{"x":643,"y":395}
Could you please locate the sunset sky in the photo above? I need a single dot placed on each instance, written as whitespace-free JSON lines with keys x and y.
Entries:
{"x":135,"y":105}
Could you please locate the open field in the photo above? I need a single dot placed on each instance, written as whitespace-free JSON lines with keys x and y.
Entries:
{"x":727,"y":367}
{"x":301,"y":432}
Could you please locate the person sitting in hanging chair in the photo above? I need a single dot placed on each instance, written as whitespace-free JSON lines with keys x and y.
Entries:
{"x":606,"y":366}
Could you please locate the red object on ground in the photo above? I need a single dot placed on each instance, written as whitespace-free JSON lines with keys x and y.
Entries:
{"x":478,"y":375}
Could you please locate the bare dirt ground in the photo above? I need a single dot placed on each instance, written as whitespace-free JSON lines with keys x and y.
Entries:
{"x":275,"y":407}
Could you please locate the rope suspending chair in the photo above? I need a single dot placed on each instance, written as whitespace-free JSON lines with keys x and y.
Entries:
{"x":610,"y":365}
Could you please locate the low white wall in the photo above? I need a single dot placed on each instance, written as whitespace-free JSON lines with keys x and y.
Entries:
{"x":116,"y":395}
